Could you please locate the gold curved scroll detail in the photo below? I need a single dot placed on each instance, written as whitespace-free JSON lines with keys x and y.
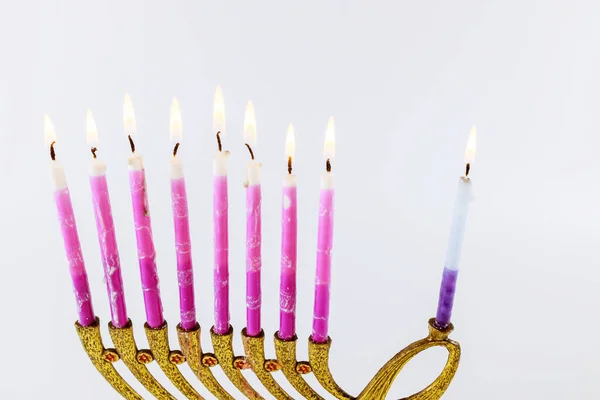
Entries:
{"x":254,"y":347}
{"x":192,"y":350}
{"x":285,"y":351}
{"x":158,"y":339}
{"x":125,"y":345}
{"x":223,"y":347}
{"x":318,"y":356}
{"x":92,"y":343}
{"x":383,"y":380}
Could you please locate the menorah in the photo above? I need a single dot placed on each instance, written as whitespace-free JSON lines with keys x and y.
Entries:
{"x":254,"y":358}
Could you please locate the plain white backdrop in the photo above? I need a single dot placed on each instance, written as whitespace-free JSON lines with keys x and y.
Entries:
{"x":405,"y":81}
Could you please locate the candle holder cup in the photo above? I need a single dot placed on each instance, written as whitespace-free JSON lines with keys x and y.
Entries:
{"x":254,"y":358}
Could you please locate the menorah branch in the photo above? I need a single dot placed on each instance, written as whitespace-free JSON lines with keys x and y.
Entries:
{"x":285,"y":350}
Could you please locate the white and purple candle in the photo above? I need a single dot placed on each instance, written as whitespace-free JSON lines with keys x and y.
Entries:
{"x":68,"y":227}
{"x":253,"y":228}
{"x":457,"y":233}
{"x":289,"y":245}
{"x":220,"y":221}
{"x":142,"y":223}
{"x":105,"y":227}
{"x":183,"y":245}
{"x":324,"y":241}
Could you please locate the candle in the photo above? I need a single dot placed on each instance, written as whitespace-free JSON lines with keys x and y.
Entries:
{"x":106,"y":230}
{"x":68,"y":227}
{"x":220,"y":220}
{"x":253,"y":229}
{"x":457,"y":234}
{"x":324,"y":241}
{"x":289,"y":243}
{"x":143,"y":228}
{"x":183,"y":247}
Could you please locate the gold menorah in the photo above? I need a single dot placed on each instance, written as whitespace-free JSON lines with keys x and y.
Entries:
{"x":169,"y":361}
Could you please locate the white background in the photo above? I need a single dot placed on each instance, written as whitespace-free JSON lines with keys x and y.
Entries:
{"x":405,"y":81}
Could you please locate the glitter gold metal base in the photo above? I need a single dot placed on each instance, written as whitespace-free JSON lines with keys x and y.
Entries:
{"x":286,"y":360}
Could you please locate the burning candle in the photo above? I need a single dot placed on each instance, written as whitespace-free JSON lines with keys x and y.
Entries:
{"x":143,"y":228}
{"x":324,"y":241}
{"x":457,"y":234}
{"x":289,"y":242}
{"x":220,"y":215}
{"x":183,"y":246}
{"x":68,"y":227}
{"x":253,"y":228}
{"x":106,"y":229}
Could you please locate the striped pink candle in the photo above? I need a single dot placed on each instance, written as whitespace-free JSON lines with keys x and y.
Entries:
{"x":143,"y":227}
{"x":68,"y":228}
{"x":183,"y":245}
{"x":253,"y":229}
{"x":105,"y":227}
{"x":289,"y":243}
{"x":324,"y":244}
{"x":220,"y":221}
{"x":221,"y":243}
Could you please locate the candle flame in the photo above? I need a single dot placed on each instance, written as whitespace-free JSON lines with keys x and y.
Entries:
{"x":250,"y":125}
{"x":91,"y":133}
{"x":128,"y":116}
{"x":471,"y":144}
{"x":329,"y":146}
{"x":290,"y":142}
{"x":175,"y":121}
{"x":219,"y":112}
{"x":49,"y":135}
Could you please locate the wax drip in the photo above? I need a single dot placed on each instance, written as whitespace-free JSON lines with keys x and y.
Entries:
{"x":250,"y":150}
{"x":94,"y":150}
{"x":467,"y":169}
{"x":290,"y":165}
{"x":219,"y":141}
{"x":328,"y":165}
{"x":52,"y":153}
{"x":131,"y":144}
{"x":175,"y":149}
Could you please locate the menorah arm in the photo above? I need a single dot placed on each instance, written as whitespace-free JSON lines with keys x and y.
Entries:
{"x":158,"y":339}
{"x":318,"y":356}
{"x":285,"y":351}
{"x":124,"y":342}
{"x":103,"y":358}
{"x":254,"y":347}
{"x":223,"y":347}
{"x":192,"y":350}
{"x":383,"y":380}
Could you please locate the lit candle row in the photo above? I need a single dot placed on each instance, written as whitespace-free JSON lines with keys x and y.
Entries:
{"x":145,"y":243}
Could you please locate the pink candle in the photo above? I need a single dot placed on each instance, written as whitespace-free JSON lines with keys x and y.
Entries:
{"x":253,"y":229}
{"x":221,"y":243}
{"x":68,"y":228}
{"x":183,"y":247}
{"x":289,"y":242}
{"x":106,"y":231}
{"x":143,"y":228}
{"x":324,"y":244}
{"x":220,"y":221}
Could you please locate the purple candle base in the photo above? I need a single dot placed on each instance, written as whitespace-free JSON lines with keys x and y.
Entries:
{"x":446,"y":301}
{"x":321,"y":314}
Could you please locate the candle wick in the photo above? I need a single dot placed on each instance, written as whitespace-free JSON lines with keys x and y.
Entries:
{"x":52,"y":152}
{"x":175,"y":149}
{"x":131,"y":144}
{"x":467,"y":169}
{"x":290,"y":165}
{"x":219,"y":141}
{"x":250,"y":150}
{"x":328,"y":165}
{"x":94,"y":150}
